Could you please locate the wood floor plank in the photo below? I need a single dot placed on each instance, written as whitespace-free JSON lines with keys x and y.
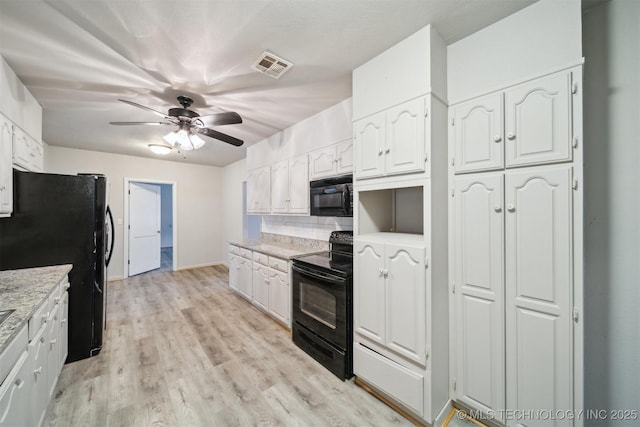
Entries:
{"x":182,"y":349}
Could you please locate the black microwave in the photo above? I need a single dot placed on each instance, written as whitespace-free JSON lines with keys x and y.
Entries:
{"x":331,"y":196}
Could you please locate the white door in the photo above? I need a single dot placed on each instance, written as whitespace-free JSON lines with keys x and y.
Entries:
{"x":299,"y":185}
{"x":279,"y":295}
{"x":539,"y":326}
{"x":405,"y":138}
{"x":369,"y":146}
{"x":368,"y":290}
{"x":479,"y":294}
{"x":478,"y":139}
{"x":144,"y":227}
{"x":538,"y":121}
{"x":405,"y":300}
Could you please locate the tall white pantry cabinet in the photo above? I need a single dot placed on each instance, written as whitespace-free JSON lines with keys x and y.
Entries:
{"x":400,"y":311}
{"x":515,"y":168}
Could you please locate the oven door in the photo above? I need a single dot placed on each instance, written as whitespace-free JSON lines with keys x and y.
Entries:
{"x":320,"y":303}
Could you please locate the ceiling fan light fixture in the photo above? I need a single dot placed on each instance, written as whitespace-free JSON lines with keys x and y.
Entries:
{"x":170,"y":138}
{"x":160,"y":149}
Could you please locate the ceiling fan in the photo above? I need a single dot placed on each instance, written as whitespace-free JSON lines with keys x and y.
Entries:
{"x":190,"y":124}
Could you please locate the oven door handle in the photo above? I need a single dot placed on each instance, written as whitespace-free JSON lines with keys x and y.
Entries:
{"x":321,"y":276}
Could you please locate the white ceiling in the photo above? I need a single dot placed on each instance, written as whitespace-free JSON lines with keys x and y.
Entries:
{"x":77,"y":57}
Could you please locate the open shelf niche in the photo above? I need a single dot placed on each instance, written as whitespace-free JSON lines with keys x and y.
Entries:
{"x":391,"y":211}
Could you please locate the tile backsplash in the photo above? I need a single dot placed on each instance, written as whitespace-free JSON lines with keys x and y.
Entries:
{"x":310,"y":227}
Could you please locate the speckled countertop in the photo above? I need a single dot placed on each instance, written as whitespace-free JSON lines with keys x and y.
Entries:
{"x":284,"y":247}
{"x":24,"y":291}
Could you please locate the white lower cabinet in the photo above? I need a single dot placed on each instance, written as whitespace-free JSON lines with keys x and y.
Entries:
{"x":15,"y":394}
{"x":513,"y":290}
{"x":263,"y":280}
{"x":28,"y":388}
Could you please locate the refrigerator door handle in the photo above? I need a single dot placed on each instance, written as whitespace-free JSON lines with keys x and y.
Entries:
{"x":111,"y":235}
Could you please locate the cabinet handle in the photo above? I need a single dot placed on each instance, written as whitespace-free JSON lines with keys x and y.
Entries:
{"x":511,"y":136}
{"x":497,"y":138}
{"x":380,"y":152}
{"x":45,"y":317}
{"x":497,"y":208}
{"x":57,"y":300}
{"x":38,"y":371}
{"x":53,"y":341}
{"x":63,"y":321}
{"x":511,"y":208}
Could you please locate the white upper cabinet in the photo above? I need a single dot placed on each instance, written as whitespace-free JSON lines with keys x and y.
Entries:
{"x":369,"y":146}
{"x":478,"y":134}
{"x":290,"y":186}
{"x":331,"y":161}
{"x":539,"y":328}
{"x":538,"y":121}
{"x":479,"y":294}
{"x":259,"y":190}
{"x":6,"y":168}
{"x":405,"y":138}
{"x":28,"y":154}
{"x":533,"y":127}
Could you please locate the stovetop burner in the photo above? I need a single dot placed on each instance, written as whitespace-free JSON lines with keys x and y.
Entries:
{"x":334,"y":262}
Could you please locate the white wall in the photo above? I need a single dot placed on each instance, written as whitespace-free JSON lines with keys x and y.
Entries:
{"x":232,"y":216}
{"x":541,"y":38}
{"x":199,"y":208}
{"x":611,"y":43}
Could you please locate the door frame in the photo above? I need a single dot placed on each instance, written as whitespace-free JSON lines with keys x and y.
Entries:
{"x":174,"y":198}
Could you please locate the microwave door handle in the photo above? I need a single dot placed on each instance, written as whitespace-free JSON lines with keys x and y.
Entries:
{"x":345,"y":201}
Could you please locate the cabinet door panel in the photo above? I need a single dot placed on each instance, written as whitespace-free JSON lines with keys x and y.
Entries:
{"x":261,"y":286}
{"x":15,"y":395}
{"x":6,"y":166}
{"x":479,"y":298}
{"x":539,"y":328}
{"x":299,"y":185}
{"x":279,"y":295}
{"x":405,"y":292}
{"x":405,"y":138}
{"x":322,"y":163}
{"x":344,"y":153}
{"x":478,"y":134}
{"x":280,"y":187}
{"x":259,"y":190}
{"x":538,"y":121}
{"x":368,"y":290}
{"x":244,"y":283}
{"x":369,"y":146}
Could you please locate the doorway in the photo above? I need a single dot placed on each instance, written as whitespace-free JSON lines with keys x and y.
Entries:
{"x":150,"y":232}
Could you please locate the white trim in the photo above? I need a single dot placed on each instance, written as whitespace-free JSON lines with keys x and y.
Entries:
{"x":174,"y":196}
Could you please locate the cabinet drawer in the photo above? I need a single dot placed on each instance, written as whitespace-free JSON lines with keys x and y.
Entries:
{"x":244,"y":253}
{"x":279,"y":264}
{"x":12,"y":352}
{"x":39,"y":318}
{"x":261,"y":258}
{"x":389,"y":377}
{"x":234,"y":250}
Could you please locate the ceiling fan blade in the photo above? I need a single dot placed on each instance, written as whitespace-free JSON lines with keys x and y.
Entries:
{"x":219,"y":119}
{"x":135,"y":104}
{"x":217,"y":135}
{"x":140,"y":123}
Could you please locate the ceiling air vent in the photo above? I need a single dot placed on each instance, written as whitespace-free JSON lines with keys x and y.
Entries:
{"x":272,"y":65}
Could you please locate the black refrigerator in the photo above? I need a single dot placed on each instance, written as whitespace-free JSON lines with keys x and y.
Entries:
{"x":62,"y":219}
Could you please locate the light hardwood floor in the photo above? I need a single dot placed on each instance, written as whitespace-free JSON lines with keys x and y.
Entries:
{"x":181,"y":349}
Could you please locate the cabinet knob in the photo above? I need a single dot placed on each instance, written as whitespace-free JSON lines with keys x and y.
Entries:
{"x":19,"y":383}
{"x":511,"y":136}
{"x":387,"y":150}
{"x":497,"y":208}
{"x":38,"y":371}
{"x":380,"y":152}
{"x":511,"y":208}
{"x":497,"y":138}
{"x":53,"y":341}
